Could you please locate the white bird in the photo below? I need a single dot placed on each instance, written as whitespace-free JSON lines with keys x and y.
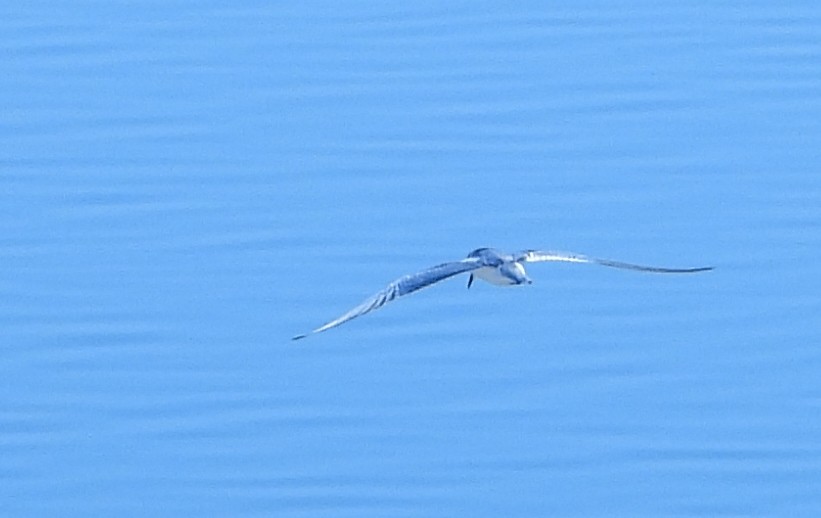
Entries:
{"x":487,"y":264}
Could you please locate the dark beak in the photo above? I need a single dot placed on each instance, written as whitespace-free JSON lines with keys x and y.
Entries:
{"x":470,"y":280}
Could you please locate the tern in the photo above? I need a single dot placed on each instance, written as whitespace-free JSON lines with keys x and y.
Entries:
{"x":489,"y":265}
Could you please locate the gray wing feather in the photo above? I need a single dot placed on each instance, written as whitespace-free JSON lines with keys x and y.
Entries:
{"x":534,"y":256}
{"x":401,"y":286}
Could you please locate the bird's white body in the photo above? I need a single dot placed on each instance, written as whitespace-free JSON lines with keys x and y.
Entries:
{"x":501,"y":275}
{"x":493,"y":276}
{"x":487,"y":264}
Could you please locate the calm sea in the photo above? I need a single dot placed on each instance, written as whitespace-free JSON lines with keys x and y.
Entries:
{"x":186,"y":185}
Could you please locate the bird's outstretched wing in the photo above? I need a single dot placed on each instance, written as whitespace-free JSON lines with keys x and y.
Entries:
{"x":402,"y":286}
{"x":535,"y":256}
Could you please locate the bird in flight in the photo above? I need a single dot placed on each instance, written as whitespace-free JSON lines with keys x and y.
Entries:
{"x":487,"y":264}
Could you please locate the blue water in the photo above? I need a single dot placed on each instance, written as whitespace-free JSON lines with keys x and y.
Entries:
{"x":186,"y":185}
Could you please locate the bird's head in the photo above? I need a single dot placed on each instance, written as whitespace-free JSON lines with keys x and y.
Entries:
{"x":478,"y":252}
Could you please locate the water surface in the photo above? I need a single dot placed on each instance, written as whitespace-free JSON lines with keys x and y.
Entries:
{"x":184,"y":186}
